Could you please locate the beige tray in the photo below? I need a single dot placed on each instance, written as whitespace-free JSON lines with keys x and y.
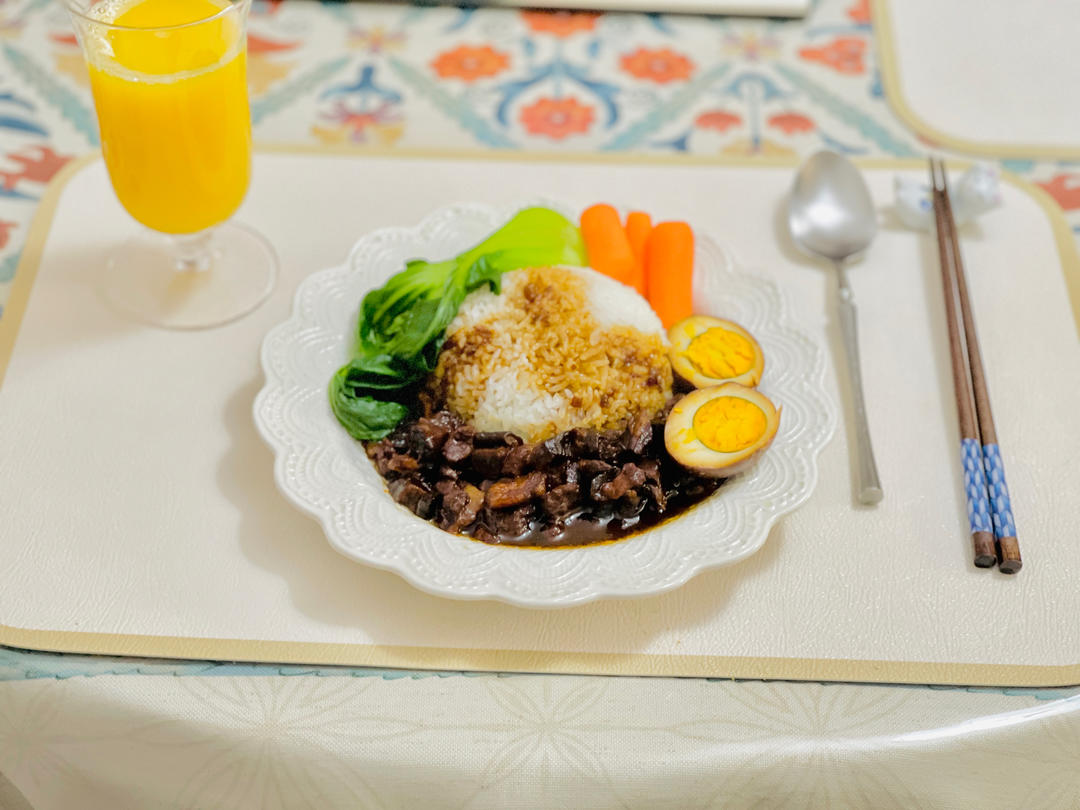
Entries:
{"x":140,"y":516}
{"x":991,"y":79}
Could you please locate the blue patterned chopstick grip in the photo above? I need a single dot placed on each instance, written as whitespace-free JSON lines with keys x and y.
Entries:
{"x":1000,"y":506}
{"x":978,"y":507}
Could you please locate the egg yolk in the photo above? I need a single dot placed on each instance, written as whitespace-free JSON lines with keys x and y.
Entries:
{"x":729,"y":424}
{"x":720,"y":353}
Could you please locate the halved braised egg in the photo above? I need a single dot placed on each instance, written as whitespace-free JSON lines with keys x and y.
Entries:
{"x":720,"y":430}
{"x":709,"y":351}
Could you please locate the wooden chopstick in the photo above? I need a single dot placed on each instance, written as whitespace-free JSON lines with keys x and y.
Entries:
{"x":989,"y":508}
{"x":978,"y":504}
{"x":1008,"y":546}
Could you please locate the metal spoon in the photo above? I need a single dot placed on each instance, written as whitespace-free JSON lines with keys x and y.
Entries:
{"x":831,"y":216}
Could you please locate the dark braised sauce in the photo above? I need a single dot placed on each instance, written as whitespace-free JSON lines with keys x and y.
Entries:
{"x":578,"y":488}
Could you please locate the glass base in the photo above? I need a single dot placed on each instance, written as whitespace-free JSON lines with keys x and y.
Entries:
{"x":146,"y":279}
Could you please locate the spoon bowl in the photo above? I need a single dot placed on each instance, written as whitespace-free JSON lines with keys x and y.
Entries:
{"x":830,"y":211}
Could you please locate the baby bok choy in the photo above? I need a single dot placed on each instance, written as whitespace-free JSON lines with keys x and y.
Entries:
{"x":402,"y":324}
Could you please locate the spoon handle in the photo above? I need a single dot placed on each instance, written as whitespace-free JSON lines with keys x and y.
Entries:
{"x":869,"y":486}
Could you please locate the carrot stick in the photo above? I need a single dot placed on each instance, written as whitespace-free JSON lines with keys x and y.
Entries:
{"x":669,"y":271}
{"x":606,"y":243}
{"x":638,"y":225}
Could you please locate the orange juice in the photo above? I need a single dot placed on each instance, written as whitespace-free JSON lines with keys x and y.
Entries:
{"x":172,"y":109}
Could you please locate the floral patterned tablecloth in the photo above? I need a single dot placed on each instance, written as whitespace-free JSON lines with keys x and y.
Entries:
{"x":78,"y":732}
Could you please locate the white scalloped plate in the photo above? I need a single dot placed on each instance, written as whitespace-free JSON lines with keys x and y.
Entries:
{"x":326,"y":473}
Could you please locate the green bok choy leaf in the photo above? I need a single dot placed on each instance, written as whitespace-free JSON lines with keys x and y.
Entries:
{"x":402,"y":324}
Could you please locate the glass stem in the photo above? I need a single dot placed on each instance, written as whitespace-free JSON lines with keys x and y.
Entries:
{"x":191,"y":251}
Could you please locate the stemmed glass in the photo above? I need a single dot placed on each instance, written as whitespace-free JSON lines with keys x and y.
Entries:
{"x":169,"y":84}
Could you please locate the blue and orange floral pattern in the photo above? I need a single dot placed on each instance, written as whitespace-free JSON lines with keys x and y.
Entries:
{"x":560,"y":23}
{"x":360,"y":112}
{"x":343,"y":73}
{"x":557,"y":118}
{"x":469,"y":63}
{"x":661,"y":65}
{"x":1065,"y":188}
{"x":340,"y":73}
{"x":266,"y":62}
{"x":843,"y":54}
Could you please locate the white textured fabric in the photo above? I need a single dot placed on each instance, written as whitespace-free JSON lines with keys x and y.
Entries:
{"x":277,"y":743}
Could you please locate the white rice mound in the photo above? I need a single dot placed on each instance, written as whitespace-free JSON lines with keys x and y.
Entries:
{"x":558,"y":348}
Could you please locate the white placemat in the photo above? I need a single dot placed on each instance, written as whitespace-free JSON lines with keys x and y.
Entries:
{"x":990,"y":78}
{"x":139,"y":499}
